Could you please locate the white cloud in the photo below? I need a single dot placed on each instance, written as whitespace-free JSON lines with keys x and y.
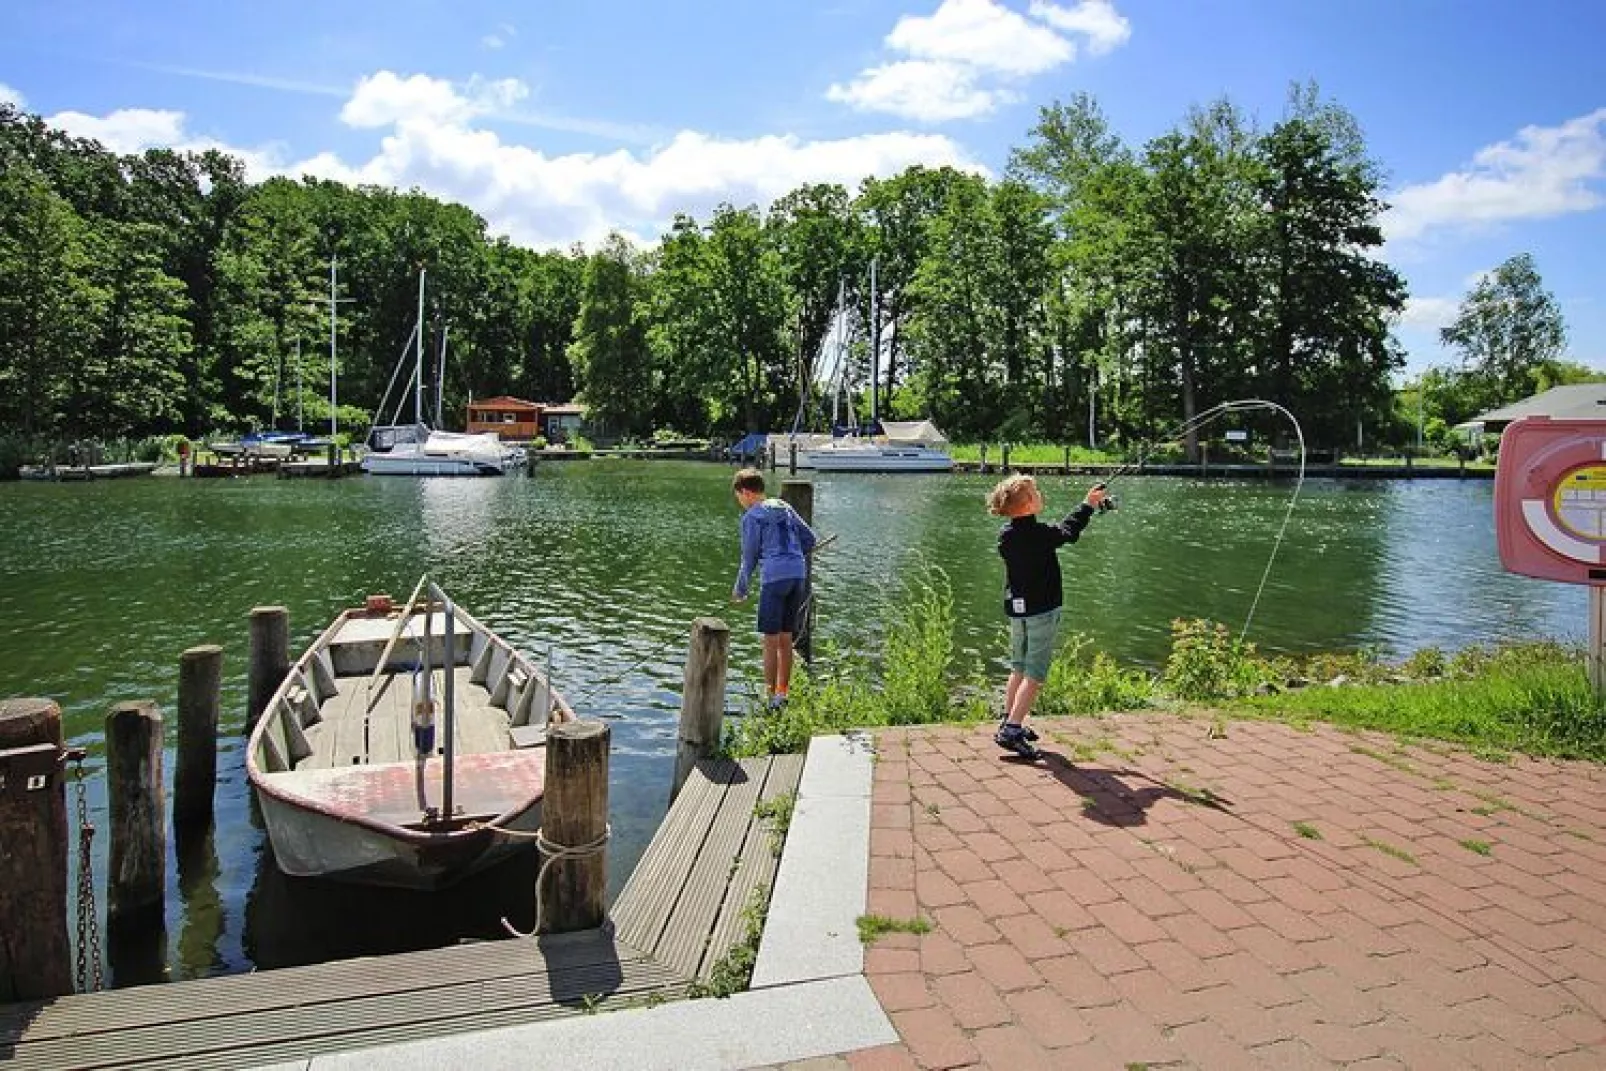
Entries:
{"x":961,"y":61}
{"x":133,"y":130}
{"x":434,"y":137}
{"x":1433,"y":312}
{"x":1542,"y":172}
{"x":928,"y":90}
{"x":1097,"y":20}
{"x":12,"y":95}
{"x":386,"y":98}
{"x":983,"y":34}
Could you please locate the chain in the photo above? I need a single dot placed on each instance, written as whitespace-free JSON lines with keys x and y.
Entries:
{"x":89,"y":974}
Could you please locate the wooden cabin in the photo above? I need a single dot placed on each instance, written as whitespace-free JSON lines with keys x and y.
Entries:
{"x":514,"y":419}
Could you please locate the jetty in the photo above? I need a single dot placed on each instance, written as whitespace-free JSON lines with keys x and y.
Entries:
{"x":679,"y":915}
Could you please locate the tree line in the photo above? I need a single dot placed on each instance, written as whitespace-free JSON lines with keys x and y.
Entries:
{"x":1094,"y":292}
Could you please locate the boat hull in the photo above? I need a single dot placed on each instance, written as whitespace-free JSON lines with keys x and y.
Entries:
{"x":309,"y":843}
{"x":876,"y":459}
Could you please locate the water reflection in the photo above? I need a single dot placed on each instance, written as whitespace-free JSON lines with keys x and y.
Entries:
{"x":292,"y":921}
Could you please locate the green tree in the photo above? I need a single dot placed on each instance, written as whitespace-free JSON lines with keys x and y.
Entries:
{"x":611,"y":357}
{"x":1508,"y":328}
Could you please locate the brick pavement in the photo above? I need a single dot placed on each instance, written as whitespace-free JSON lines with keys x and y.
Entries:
{"x":1153,"y":895}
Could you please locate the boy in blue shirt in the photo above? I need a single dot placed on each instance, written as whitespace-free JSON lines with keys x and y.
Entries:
{"x":1033,"y":595}
{"x":777,"y":542}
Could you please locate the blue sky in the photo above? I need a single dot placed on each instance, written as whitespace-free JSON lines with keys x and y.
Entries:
{"x":558,"y":121}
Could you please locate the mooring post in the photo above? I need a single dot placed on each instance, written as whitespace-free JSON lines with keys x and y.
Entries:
{"x":702,"y":700}
{"x":334,"y":460}
{"x":1067,"y":461}
{"x":799,"y":494}
{"x":270,"y":658}
{"x":791,"y":460}
{"x":983,"y":465}
{"x":137,"y":873}
{"x":574,"y":816}
{"x":200,"y":679}
{"x":1004,"y":465}
{"x":33,"y":867}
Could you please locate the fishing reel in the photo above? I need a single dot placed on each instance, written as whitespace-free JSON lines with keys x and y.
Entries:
{"x":1108,"y":503}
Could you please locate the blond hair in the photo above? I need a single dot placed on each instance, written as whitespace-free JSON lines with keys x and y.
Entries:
{"x":1009,"y":493}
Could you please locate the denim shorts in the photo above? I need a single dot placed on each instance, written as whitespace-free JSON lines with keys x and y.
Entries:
{"x":778,"y":604}
{"x":1031,"y":643}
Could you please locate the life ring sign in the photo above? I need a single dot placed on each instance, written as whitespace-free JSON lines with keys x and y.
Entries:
{"x":1550,"y":499}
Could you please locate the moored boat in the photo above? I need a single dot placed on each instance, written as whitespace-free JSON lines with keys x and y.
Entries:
{"x":399,"y":744}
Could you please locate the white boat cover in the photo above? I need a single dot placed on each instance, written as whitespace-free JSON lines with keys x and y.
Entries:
{"x":923,"y":432}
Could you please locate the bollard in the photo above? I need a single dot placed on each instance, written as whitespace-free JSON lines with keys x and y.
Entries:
{"x":574,"y":815}
{"x":702,"y":700}
{"x":37,"y":961}
{"x":270,"y":658}
{"x":137,"y":872}
{"x":200,"y":677}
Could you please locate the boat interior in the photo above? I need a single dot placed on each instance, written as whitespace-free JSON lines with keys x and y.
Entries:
{"x":320,"y":719}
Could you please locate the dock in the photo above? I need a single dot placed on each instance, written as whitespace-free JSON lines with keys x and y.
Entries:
{"x":676,"y":919}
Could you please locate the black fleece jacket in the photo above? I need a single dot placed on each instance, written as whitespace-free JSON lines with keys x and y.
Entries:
{"x":1032,"y":582}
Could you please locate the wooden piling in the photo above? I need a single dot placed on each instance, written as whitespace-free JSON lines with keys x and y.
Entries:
{"x":334,"y":461}
{"x":791,"y":461}
{"x":270,"y":658}
{"x":1004,"y":465}
{"x":799,"y":494}
{"x":137,"y":873}
{"x":574,"y":815}
{"x":200,"y":676}
{"x":37,"y":961}
{"x":983,"y":457}
{"x":702,"y":700}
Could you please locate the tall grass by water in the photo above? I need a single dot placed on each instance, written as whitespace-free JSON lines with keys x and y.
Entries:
{"x":1532,"y":697}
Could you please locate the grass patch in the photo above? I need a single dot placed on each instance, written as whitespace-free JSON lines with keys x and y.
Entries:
{"x":1480,"y":847}
{"x":1308,"y":831}
{"x":1389,"y":849}
{"x":874,"y":927}
{"x":734,"y":970}
{"x":778,"y":813}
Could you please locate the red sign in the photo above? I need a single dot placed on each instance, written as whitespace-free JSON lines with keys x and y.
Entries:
{"x":1550,"y":499}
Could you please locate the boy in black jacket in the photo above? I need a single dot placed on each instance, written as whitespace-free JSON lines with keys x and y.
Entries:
{"x":1033,"y":595}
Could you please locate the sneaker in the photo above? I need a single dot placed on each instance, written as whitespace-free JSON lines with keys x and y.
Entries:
{"x":1003,"y":720}
{"x":777,"y":702}
{"x":1013,"y":738}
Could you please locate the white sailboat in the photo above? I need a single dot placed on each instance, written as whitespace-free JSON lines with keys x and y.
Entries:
{"x":416,"y":449}
{"x":900,"y":446}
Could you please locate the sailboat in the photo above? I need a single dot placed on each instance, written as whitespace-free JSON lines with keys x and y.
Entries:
{"x":890,"y":446}
{"x":416,"y":449}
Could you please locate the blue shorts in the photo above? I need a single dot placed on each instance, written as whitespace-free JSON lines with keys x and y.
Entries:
{"x":1031,"y":644}
{"x":778,"y":604}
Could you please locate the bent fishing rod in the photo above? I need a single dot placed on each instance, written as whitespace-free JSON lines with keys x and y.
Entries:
{"x":1201,"y":420}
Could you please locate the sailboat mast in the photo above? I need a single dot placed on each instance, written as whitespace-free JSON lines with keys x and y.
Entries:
{"x":440,"y":375}
{"x":300,"y":406}
{"x":333,"y":428}
{"x":418,"y":369}
{"x":875,"y":348}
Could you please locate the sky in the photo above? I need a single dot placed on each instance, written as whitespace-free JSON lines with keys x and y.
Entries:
{"x":560,"y":120}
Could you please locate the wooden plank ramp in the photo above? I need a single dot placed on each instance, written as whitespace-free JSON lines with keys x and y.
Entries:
{"x":677,"y":916}
{"x":683,"y":904}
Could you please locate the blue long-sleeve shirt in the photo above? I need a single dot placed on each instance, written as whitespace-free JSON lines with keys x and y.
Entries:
{"x":776,"y":541}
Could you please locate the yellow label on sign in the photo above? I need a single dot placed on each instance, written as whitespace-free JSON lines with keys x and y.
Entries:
{"x":1579,"y":502}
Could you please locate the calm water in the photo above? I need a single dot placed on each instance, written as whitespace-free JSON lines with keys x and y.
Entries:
{"x":600,"y":568}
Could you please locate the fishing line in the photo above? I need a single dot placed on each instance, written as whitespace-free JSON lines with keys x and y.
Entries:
{"x":1210,"y":416}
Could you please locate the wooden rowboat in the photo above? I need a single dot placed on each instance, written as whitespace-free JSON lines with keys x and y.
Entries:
{"x":398,"y":745}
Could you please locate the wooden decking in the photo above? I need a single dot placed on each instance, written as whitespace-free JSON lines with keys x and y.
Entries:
{"x":679,"y":914}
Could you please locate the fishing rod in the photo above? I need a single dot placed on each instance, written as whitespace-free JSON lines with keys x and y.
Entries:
{"x":1204,"y":419}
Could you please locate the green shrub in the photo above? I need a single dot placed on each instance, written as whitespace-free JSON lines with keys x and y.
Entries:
{"x":1079,"y":686}
{"x":1207,"y":663}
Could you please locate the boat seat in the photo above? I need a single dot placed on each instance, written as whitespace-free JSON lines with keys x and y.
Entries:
{"x":398,"y":792}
